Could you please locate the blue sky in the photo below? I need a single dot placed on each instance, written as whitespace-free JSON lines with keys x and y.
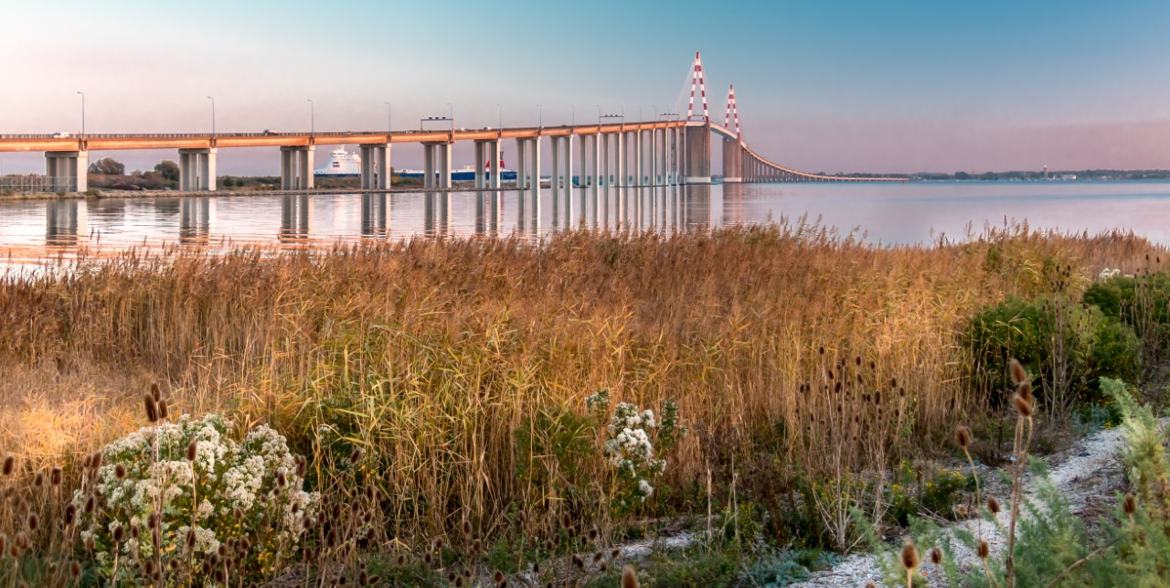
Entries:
{"x":861,"y":85}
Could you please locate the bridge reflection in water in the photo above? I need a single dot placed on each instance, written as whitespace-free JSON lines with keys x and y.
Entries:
{"x":303,"y":220}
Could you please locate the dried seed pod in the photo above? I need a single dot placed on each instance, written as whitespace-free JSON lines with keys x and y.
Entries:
{"x":910,"y":559}
{"x":984,"y":550}
{"x":963,"y":437}
{"x":993,"y":505}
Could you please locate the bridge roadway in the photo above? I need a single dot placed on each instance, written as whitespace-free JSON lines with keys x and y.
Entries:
{"x":616,"y":154}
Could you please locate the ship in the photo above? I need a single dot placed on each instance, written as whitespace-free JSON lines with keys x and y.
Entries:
{"x":466,"y":173}
{"x":341,"y":163}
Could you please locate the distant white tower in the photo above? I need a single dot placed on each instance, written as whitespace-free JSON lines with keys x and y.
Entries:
{"x":1046,"y":172}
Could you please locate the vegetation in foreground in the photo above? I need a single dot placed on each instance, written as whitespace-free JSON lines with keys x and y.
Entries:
{"x":445,"y":394}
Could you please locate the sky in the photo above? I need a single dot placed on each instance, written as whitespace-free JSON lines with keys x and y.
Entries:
{"x":865,"y":86}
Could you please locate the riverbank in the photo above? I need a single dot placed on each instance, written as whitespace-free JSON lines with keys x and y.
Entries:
{"x":460,"y":402}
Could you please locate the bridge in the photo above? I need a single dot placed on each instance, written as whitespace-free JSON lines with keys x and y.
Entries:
{"x":669,"y":151}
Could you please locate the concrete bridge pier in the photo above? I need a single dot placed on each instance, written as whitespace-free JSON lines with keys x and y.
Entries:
{"x":493,"y":153}
{"x":698,"y":159}
{"x":663,"y":167}
{"x":639,"y":179}
{"x":296,"y":168}
{"x":732,"y":161}
{"x":437,"y":165}
{"x":653,"y":158}
{"x":375,"y":167}
{"x":68,"y":169}
{"x":197,"y":170}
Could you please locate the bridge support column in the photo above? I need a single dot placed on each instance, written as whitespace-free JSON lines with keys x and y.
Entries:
{"x":639,"y":179}
{"x":698,"y":159}
{"x":653,"y":157}
{"x":296,"y":168}
{"x":732,"y":162}
{"x":605,"y":177}
{"x":521,"y":164}
{"x":493,"y":154}
{"x":437,"y":165}
{"x":68,"y":170}
{"x":480,"y":165}
{"x":662,"y":159}
{"x":197,"y":170}
{"x":375,"y":167}
{"x":619,"y":175}
{"x":595,"y":153}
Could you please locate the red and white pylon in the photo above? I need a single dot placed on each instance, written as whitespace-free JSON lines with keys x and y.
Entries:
{"x":731,"y":115}
{"x":697,"y":83}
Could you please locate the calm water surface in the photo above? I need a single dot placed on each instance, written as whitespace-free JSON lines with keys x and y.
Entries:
{"x":886,"y":214}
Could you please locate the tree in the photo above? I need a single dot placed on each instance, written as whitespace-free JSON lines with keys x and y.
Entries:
{"x":108,"y":166}
{"x":168,"y":169}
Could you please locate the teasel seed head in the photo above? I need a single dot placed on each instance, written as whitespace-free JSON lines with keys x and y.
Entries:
{"x":498,"y":577}
{"x":963,"y":437}
{"x":70,"y":514}
{"x":910,"y":559}
{"x":55,"y":476}
{"x":1025,"y":392}
{"x":629,"y":577}
{"x":993,"y":505}
{"x":162,"y":409}
{"x":119,"y":471}
{"x":192,"y":448}
{"x":9,"y":465}
{"x":151,"y":406}
{"x":155,"y":393}
{"x":1023,"y":406}
{"x":984,"y":550}
{"x":39,"y":479}
{"x":1129,"y":504}
{"x":33,"y":522}
{"x":118,"y":533}
{"x":936,"y":556}
{"x":1019,"y":374}
{"x":577,"y":561}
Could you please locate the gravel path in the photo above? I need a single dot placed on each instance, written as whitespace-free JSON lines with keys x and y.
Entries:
{"x":1085,"y":474}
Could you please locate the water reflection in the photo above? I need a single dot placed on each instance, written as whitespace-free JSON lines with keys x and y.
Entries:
{"x":375,"y":216}
{"x":62,"y":224}
{"x":195,"y":220}
{"x":889,"y":213}
{"x":294,"y":219}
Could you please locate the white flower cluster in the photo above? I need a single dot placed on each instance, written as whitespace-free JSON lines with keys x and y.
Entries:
{"x":629,"y":448}
{"x":228,"y":491}
{"x":1108,"y":273}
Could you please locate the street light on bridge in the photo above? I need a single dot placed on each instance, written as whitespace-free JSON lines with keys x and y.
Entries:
{"x":499,"y":116}
{"x":82,"y":94}
{"x":212,"y":99}
{"x":389,"y":117}
{"x":312,"y":117}
{"x":598,"y":107}
{"x":540,"y":116}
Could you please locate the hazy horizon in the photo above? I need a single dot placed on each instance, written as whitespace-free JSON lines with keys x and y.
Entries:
{"x":898,"y":87}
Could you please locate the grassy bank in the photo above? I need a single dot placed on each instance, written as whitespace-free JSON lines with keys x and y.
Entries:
{"x":439,"y":388}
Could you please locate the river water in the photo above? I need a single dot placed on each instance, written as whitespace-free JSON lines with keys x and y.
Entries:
{"x":882,"y":214}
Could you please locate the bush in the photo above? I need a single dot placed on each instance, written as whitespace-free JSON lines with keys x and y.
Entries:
{"x":1142,"y":302}
{"x":1067,"y":346}
{"x":211,"y":493}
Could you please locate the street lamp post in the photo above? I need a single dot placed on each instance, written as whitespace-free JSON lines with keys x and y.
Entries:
{"x":212,"y":99}
{"x":572,"y":115}
{"x":82,"y":94}
{"x":540,"y":116}
{"x":598,"y":107}
{"x":499,"y":116}
{"x":312,"y":117}
{"x":389,"y":117}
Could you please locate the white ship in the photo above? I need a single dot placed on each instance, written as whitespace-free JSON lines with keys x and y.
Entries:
{"x":341,"y":163}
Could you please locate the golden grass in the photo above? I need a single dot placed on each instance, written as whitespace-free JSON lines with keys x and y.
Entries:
{"x":430,"y":354}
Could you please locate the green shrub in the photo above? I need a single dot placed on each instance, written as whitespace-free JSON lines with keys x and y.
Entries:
{"x":1068,"y":347}
{"x":1142,"y":302}
{"x":912,"y":493}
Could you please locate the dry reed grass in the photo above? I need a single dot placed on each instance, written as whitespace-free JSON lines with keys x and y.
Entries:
{"x":430,"y":354}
